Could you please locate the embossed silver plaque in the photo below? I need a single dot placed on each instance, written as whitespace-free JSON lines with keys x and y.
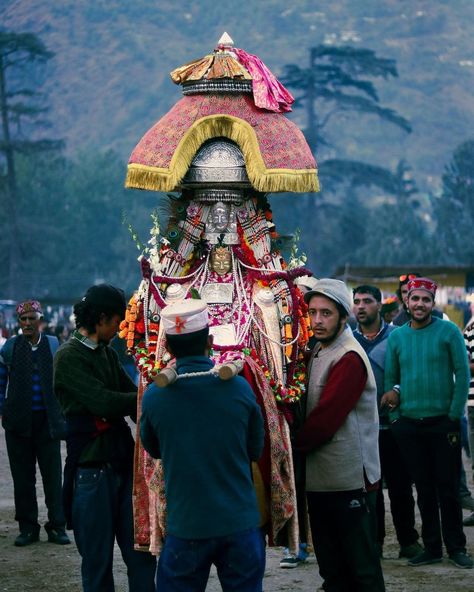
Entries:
{"x":218,"y":161}
{"x":218,"y":293}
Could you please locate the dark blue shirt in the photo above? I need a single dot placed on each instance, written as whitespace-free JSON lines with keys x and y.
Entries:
{"x":206,"y":431}
{"x":37,"y":400}
{"x":375,"y":350}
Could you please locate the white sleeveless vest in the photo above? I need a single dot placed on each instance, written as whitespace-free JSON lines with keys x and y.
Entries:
{"x":339,"y":465}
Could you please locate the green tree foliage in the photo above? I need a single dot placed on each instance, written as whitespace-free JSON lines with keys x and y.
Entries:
{"x":340,"y":79}
{"x":395,"y":229}
{"x":361,"y":225}
{"x":349,"y":216}
{"x":454,"y":209}
{"x":21,"y":116}
{"x":71,"y":212}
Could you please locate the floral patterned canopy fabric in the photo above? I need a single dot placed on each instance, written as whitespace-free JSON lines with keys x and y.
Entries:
{"x":250,"y":112}
{"x":277,"y":157}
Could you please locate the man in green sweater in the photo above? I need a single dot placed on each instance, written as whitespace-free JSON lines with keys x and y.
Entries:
{"x":96,"y":395}
{"x":427,"y":379}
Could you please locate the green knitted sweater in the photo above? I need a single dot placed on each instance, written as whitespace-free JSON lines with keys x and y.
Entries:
{"x":431,"y":367}
{"x":91,"y":382}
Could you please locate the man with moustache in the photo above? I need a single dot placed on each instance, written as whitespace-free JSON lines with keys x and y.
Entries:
{"x":339,"y":437}
{"x":427,"y":376}
{"x":33,"y":425}
{"x":96,"y":394}
{"x":372,"y":333}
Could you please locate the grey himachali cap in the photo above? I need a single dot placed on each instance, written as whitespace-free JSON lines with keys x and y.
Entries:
{"x":333,"y":289}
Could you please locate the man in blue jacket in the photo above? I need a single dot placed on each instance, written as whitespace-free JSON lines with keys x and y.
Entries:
{"x":33,"y":425}
{"x":207,"y":432}
{"x":372,"y":333}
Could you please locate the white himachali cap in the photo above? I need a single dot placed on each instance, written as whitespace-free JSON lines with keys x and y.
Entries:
{"x":185,"y":316}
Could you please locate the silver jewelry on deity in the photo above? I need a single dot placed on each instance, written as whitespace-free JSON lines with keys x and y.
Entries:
{"x":208,"y":195}
{"x":215,"y":293}
{"x":222,"y":221}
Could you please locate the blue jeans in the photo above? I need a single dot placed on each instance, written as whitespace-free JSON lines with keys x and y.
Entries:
{"x":101,"y":513}
{"x":184,"y":564}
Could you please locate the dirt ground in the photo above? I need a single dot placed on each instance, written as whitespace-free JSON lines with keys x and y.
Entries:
{"x":44,"y":566}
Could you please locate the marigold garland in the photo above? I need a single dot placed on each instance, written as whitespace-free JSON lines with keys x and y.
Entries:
{"x":295,"y":388}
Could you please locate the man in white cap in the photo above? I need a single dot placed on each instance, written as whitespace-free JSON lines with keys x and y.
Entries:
{"x":340,"y":439}
{"x":206,"y":432}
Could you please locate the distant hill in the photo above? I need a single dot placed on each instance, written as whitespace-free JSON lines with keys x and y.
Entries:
{"x":109,"y":79}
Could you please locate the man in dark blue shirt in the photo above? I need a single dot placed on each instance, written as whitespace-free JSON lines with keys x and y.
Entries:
{"x":207,"y":432}
{"x":372,"y":333}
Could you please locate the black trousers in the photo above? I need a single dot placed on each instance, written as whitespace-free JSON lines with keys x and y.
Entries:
{"x":400,"y":491}
{"x":431,"y":448}
{"x":23,"y":453}
{"x":344,"y":543}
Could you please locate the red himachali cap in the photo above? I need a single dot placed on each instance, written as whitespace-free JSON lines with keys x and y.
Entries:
{"x":28,"y":306}
{"x":422,"y":283}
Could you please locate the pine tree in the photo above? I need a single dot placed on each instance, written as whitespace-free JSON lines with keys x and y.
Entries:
{"x":341,"y":80}
{"x":21,"y":113}
{"x":338,"y":79}
{"x":454,"y":209}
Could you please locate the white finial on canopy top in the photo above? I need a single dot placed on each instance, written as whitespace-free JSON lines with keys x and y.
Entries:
{"x":226,"y":40}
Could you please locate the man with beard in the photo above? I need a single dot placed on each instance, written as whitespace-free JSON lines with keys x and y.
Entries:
{"x":339,"y":437}
{"x":96,"y":395}
{"x":427,"y":376}
{"x":372,"y":333}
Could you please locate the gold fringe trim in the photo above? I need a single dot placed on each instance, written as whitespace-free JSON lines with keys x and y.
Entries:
{"x":266,"y":180}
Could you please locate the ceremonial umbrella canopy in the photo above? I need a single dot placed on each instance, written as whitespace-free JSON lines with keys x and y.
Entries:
{"x":229,"y":94}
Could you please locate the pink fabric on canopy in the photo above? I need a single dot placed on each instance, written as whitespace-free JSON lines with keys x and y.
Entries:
{"x":282,"y":144}
{"x":268,"y":92}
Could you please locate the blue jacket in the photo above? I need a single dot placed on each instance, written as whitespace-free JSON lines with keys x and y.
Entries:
{"x":376,"y":350}
{"x":206,"y":431}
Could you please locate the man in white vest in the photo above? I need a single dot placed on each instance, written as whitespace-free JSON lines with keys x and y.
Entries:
{"x":340,"y":439}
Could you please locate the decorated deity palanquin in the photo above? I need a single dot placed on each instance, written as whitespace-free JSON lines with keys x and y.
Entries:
{"x":221,"y":149}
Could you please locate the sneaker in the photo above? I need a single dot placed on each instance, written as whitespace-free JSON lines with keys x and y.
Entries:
{"x":58,"y":536}
{"x":303,"y":553}
{"x":469,"y":521}
{"x":26,"y":538}
{"x":424,"y":558}
{"x":461,"y":559}
{"x":289,"y":560}
{"x":410,"y":551}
